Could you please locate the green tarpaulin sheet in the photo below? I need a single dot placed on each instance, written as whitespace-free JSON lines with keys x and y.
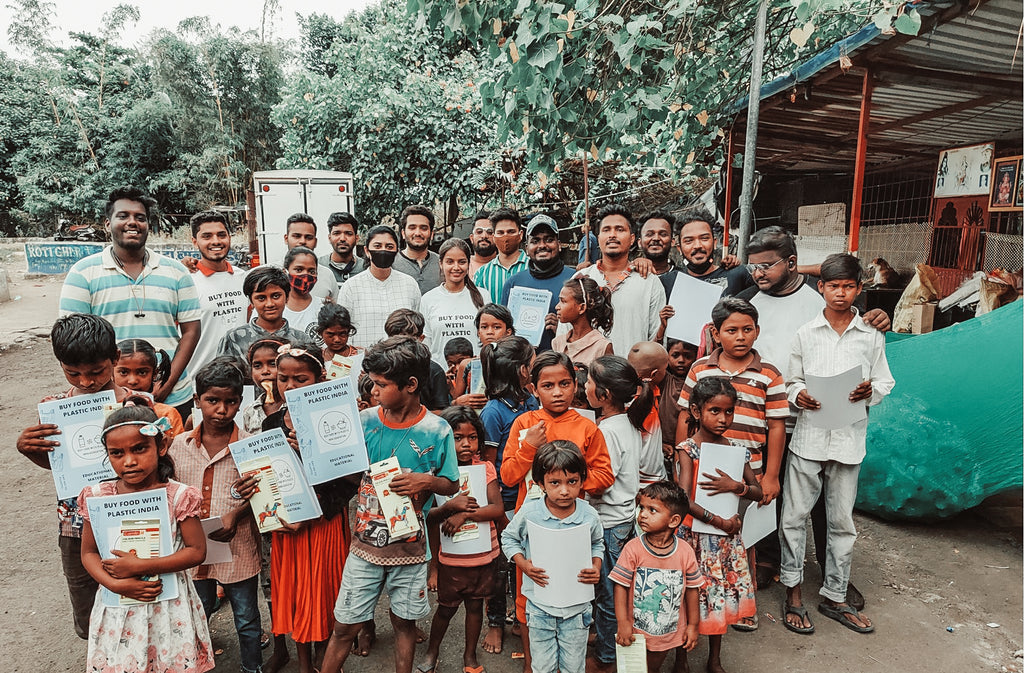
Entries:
{"x":950,"y":433}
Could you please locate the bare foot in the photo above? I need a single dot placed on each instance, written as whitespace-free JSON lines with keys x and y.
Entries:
{"x":714,"y":667}
{"x":421,"y":636}
{"x":363,"y":643}
{"x":278,"y":660}
{"x":494,"y":640}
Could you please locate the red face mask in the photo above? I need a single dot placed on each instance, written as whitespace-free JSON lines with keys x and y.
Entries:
{"x":303,"y":282}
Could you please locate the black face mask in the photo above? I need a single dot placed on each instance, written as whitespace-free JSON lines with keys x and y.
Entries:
{"x":382,"y":259}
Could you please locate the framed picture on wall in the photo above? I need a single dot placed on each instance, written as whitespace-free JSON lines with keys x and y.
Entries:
{"x":964,"y":171}
{"x":1005,"y":183}
{"x":1018,"y":199}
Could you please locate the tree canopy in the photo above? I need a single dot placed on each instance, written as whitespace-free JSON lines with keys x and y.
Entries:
{"x":462,"y":104}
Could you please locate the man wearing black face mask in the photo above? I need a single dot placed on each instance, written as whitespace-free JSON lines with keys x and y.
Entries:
{"x":544,"y":270}
{"x":372,"y":295}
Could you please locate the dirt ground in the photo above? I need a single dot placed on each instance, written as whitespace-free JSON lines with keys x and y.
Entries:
{"x":944,"y":596}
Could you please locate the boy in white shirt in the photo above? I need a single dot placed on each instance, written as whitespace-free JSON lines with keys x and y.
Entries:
{"x":831,"y":343}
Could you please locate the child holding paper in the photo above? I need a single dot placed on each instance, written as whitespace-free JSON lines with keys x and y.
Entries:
{"x":463,"y":577}
{"x":612,"y":386}
{"x":728,"y":594}
{"x":493,"y":322}
{"x":586,"y":307}
{"x":399,"y":430}
{"x":829,"y":460}
{"x":506,"y":369}
{"x":263,"y":373}
{"x":558,"y":635}
{"x":657,"y":580}
{"x":169,"y":635}
{"x":307,"y":558}
{"x":86,"y":348}
{"x":554,"y":379}
{"x":203,"y":460}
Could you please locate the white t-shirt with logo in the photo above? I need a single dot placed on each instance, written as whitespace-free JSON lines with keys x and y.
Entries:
{"x":448,"y":315}
{"x":223,"y":306}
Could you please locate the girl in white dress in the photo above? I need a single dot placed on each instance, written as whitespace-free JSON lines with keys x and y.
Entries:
{"x":154,"y":636}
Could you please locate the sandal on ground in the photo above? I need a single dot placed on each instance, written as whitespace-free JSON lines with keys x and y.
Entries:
{"x":801,"y":612}
{"x":747,"y":626}
{"x":842,"y":614}
{"x":426,"y":668}
{"x":472,"y":669}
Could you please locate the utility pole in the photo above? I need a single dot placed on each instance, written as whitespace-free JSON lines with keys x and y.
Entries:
{"x":750,"y":144}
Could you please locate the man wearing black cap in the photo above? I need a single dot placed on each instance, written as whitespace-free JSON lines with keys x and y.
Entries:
{"x":544,"y":270}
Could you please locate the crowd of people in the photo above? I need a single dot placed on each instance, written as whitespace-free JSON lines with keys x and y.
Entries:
{"x":601,"y":427}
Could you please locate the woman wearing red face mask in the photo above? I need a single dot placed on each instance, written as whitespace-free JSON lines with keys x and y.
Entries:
{"x":302,"y":309}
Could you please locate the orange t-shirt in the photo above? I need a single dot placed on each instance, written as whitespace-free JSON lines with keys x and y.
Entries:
{"x":517,"y":462}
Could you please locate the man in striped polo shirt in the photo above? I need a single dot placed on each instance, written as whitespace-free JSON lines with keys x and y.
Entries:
{"x":508,"y":234}
{"x":142,"y":294}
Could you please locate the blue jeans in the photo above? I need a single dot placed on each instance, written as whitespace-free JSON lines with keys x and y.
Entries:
{"x":557,"y":644}
{"x":615,"y":539}
{"x":244,"y":599}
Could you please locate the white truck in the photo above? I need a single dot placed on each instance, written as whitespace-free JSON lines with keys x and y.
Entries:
{"x":280,"y":194}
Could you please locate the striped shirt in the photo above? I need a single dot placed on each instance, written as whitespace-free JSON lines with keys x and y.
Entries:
{"x":371,"y":301}
{"x":819,"y":350}
{"x":164,"y":292}
{"x":760,"y":392}
{"x":213,"y":476}
{"x":493,"y":275}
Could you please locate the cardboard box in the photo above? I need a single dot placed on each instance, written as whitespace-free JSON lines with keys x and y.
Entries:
{"x":924,"y":317}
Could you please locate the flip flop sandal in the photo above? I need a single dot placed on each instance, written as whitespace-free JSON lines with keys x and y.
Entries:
{"x":426,"y":668}
{"x":854,"y":598}
{"x":472,"y":669}
{"x":747,"y":627}
{"x":842,"y":614}
{"x":801,"y":612}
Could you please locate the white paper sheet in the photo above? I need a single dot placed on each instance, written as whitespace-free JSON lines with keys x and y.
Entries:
{"x":758,"y":523}
{"x":529,"y":307}
{"x":632,"y":659}
{"x":216,"y":552}
{"x":729,"y":459}
{"x":481,"y":543}
{"x":692,"y":300}
{"x":562,"y":554}
{"x":587,"y":413}
{"x":833,"y":392}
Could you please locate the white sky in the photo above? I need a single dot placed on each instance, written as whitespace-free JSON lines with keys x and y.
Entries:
{"x":85,"y":15}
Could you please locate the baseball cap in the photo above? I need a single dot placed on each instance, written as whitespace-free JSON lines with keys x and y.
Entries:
{"x":541,"y":220}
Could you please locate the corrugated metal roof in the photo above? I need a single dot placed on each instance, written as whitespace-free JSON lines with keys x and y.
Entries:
{"x":957,"y":83}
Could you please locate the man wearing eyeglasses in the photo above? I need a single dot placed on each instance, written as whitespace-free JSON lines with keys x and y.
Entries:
{"x":785,"y":301}
{"x":482,"y":240}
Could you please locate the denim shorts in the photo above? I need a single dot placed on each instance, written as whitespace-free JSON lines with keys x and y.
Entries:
{"x":362,"y":583}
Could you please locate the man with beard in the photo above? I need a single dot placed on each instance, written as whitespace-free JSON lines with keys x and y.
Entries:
{"x":656,"y":244}
{"x":142,"y":294}
{"x":482,"y":240}
{"x":508,"y":234}
{"x":371,"y":296}
{"x":417,"y":260}
{"x":342,"y":233}
{"x":300,"y":229}
{"x":544,"y":271}
{"x":637,"y":299}
{"x":218,"y":284}
{"x":697,"y":245}
{"x":785,"y":301}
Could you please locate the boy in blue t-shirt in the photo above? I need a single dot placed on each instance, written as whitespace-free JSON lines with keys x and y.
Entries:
{"x":400,"y":428}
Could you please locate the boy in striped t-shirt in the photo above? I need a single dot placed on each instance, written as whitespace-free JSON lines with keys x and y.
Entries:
{"x":761,"y":407}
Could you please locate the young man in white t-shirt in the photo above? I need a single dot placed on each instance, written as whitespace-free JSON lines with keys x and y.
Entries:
{"x":221,"y":300}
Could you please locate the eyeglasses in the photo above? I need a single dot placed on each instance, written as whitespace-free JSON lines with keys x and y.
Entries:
{"x":763,"y":267}
{"x":479,"y":232}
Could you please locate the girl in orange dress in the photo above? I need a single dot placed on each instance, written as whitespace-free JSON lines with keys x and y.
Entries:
{"x":728,"y":592}
{"x":307,"y":558}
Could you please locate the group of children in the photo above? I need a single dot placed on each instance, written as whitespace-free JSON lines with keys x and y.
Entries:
{"x":630,"y":479}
